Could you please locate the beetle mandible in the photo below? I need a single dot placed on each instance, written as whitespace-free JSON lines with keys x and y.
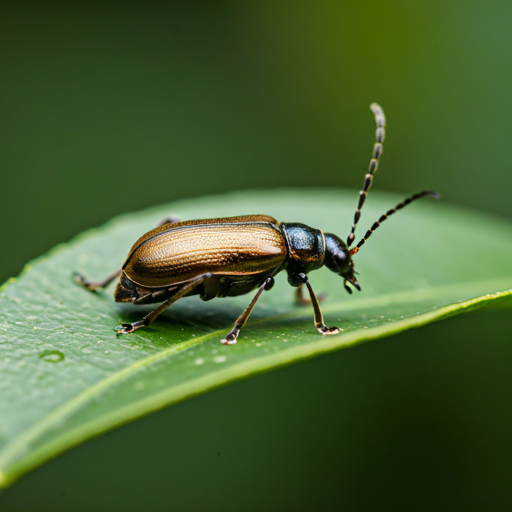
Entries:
{"x":232,"y":256}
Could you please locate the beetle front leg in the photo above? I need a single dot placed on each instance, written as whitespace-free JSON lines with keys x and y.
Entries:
{"x":232,"y":335}
{"x":319,"y":321}
{"x":127,"y":328}
{"x":94,"y":285}
{"x":302,"y":301}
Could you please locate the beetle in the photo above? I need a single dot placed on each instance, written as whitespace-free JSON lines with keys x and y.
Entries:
{"x":232,"y":256}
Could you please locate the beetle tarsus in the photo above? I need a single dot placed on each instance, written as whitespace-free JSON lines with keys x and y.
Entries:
{"x":127,"y":328}
{"x":124,"y":329}
{"x":231,"y":337}
{"x":323,"y":329}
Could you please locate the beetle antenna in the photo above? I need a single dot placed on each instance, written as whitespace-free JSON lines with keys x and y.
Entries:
{"x":380,"y":121}
{"x":399,"y":206}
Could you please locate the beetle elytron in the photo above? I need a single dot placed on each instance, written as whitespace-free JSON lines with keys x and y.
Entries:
{"x":232,"y":256}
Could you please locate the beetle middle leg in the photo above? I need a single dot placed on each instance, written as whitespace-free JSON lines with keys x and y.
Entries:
{"x":187,"y":287}
{"x":232,"y":335}
{"x":319,"y":321}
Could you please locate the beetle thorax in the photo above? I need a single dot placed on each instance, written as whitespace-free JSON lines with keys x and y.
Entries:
{"x":306,"y":247}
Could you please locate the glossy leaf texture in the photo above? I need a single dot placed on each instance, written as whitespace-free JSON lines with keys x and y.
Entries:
{"x":65,"y":375}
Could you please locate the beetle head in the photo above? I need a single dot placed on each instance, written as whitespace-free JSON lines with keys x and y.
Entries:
{"x":339,"y":259}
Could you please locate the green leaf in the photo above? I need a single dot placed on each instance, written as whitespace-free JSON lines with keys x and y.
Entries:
{"x":65,"y":375}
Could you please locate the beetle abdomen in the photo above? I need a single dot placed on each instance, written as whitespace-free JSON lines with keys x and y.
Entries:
{"x":231,"y":246}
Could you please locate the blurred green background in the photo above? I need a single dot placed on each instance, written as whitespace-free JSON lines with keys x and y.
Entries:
{"x":108,"y":107}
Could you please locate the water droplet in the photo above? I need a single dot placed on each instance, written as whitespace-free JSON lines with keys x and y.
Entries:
{"x":199,"y":361}
{"x":52,"y":356}
{"x":219,"y":359}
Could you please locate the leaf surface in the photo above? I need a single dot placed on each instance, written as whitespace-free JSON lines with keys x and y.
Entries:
{"x":65,"y":375}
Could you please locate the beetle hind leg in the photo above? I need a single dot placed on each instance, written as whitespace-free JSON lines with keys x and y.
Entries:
{"x":232,"y":335}
{"x":127,"y":328}
{"x":94,"y":285}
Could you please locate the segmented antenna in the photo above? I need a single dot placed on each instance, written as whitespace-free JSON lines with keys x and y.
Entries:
{"x":399,"y":206}
{"x":380,"y":121}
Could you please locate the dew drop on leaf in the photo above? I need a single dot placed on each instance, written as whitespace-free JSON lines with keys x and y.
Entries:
{"x":52,"y":356}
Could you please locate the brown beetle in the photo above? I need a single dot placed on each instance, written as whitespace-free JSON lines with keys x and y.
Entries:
{"x":232,"y":256}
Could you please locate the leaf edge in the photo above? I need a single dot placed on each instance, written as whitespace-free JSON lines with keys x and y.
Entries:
{"x":199,"y":386}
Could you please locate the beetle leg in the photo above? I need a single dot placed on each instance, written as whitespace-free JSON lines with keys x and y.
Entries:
{"x":126,"y":328}
{"x":232,"y":335}
{"x":169,"y":220}
{"x":94,"y":285}
{"x":301,"y":300}
{"x":319,"y":321}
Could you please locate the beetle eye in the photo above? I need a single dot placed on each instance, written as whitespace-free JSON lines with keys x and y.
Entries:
{"x":341,"y":258}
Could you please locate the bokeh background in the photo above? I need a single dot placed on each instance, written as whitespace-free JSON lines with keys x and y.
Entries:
{"x":109,"y":107}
